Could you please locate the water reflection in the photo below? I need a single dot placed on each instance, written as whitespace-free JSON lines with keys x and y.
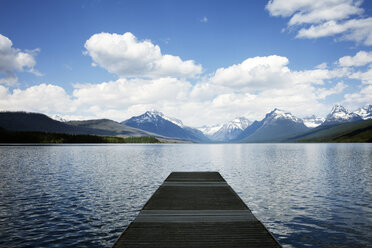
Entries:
{"x":316,"y":195}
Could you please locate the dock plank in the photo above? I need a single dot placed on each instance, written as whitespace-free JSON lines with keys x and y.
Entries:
{"x":195,"y":209}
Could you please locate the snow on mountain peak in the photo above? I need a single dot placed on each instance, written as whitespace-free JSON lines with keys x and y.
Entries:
{"x":365,"y":112}
{"x":313,"y":121}
{"x":58,"y":118}
{"x":339,"y":114}
{"x":338,"y":109}
{"x":154,"y":114}
{"x":230,"y":128}
{"x":281,"y":114}
{"x":174,"y":121}
{"x":238,"y":123}
{"x":210,"y":130}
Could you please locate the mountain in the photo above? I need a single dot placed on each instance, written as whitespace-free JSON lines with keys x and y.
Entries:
{"x":230,"y":130}
{"x":210,"y":130}
{"x":35,"y":122}
{"x":275,"y":127}
{"x":58,"y":118}
{"x":23,"y":121}
{"x":365,"y":112}
{"x":360,"y":131}
{"x":156,"y":122}
{"x":249,"y":130}
{"x":313,"y":121}
{"x":339,"y":115}
{"x":109,"y":127}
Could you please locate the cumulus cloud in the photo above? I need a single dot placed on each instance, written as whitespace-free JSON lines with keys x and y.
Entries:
{"x":123,"y":93}
{"x":310,"y":11}
{"x":322,"y":93}
{"x":360,"y":59}
{"x":255,"y":73}
{"x":12,"y":59}
{"x":269,"y":72}
{"x":45,"y":98}
{"x":258,"y":85}
{"x":354,"y":65}
{"x":126,"y":56}
{"x":326,"y":18}
{"x":358,"y":30}
{"x":363,"y":96}
{"x":364,"y":76}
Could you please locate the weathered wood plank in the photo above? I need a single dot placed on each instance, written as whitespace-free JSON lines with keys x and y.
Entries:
{"x":196,"y":209}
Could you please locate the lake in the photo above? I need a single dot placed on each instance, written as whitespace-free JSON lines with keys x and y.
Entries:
{"x":307,"y":195}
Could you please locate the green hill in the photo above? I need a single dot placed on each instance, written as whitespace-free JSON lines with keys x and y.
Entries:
{"x":360,"y":131}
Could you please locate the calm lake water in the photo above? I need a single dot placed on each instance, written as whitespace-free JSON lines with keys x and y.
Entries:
{"x":307,"y":195}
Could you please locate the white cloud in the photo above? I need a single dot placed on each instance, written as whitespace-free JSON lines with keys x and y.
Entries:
{"x":327,"y":18}
{"x":358,"y":30}
{"x":322,"y":93}
{"x":313,"y":11}
{"x":363,"y":96}
{"x":300,"y":100}
{"x":364,"y":76}
{"x":12,"y":59}
{"x":44,"y":98}
{"x":360,"y":59}
{"x":322,"y":66}
{"x":204,"y":19}
{"x":125,"y":56}
{"x":123,"y":93}
{"x":255,"y":73}
{"x":260,"y":73}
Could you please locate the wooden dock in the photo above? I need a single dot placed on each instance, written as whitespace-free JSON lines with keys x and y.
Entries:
{"x":196,"y":209}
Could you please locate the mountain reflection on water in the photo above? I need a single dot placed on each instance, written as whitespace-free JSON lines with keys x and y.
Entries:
{"x":316,"y":195}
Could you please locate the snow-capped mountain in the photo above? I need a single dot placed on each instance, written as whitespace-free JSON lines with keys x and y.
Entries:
{"x":58,"y":118}
{"x":238,"y":123}
{"x":278,"y":114}
{"x":157,"y":122}
{"x":210,"y":130}
{"x":339,"y":115}
{"x":154,"y":114}
{"x":313,"y":121}
{"x":276,"y":125}
{"x":231,"y":130}
{"x":365,"y":112}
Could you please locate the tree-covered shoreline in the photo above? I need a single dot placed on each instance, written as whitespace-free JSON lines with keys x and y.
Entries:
{"x":59,"y":138}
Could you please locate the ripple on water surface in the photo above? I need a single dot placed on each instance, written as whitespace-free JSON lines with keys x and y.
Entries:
{"x":315,"y":195}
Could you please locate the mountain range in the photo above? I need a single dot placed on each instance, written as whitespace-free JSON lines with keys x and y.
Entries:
{"x":228,"y":131}
{"x":276,"y":126}
{"x":36,"y":122}
{"x":340,"y":115}
{"x":157,"y":122}
{"x":313,"y":121}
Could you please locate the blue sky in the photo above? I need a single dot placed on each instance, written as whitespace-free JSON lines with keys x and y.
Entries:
{"x":203,"y":62}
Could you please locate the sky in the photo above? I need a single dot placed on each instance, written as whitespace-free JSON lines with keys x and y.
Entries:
{"x":203,"y":62}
